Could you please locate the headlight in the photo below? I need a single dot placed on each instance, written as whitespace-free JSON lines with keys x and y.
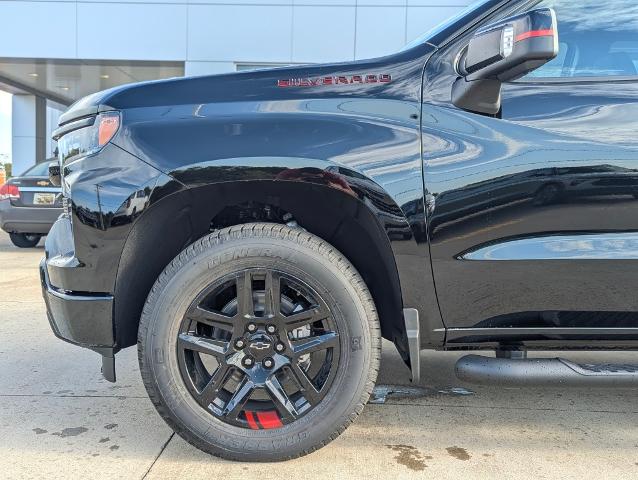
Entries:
{"x":87,"y":136}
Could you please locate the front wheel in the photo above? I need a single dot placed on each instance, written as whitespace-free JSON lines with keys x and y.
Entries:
{"x":25,"y":240}
{"x":259,"y":342}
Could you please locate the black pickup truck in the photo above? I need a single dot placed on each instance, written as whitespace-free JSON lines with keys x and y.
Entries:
{"x":256,"y":234}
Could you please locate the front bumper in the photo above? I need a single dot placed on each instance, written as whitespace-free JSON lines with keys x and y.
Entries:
{"x":27,"y":219}
{"x":84,"y":319}
{"x":106,"y":194}
{"x":81,"y":319}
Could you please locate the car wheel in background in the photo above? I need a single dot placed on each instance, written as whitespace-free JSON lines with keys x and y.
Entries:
{"x":25,"y":240}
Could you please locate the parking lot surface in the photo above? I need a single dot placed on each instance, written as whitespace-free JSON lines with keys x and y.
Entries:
{"x":61,"y":419}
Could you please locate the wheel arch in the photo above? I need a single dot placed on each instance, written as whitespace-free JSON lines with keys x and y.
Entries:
{"x":333,"y":213}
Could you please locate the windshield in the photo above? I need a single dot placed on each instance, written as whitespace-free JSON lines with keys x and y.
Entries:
{"x":38,"y":170}
{"x":443,"y":25}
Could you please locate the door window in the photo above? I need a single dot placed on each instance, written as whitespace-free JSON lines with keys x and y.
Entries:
{"x":597,"y":39}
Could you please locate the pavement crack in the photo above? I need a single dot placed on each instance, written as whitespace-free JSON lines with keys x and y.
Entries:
{"x":158,"y":455}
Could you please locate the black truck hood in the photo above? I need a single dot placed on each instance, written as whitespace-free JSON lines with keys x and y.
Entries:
{"x":392,"y":76}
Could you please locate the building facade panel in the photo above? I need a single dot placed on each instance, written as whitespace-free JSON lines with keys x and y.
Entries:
{"x":133,"y":1}
{"x":438,"y":3}
{"x":38,"y":29}
{"x":194,"y":68}
{"x":239,"y":33}
{"x":380,"y":31}
{"x":218,"y":32}
{"x":421,"y":19}
{"x":316,"y":3}
{"x":323,"y":34}
{"x":271,"y":3}
{"x":131,"y":31}
{"x":381,"y":3}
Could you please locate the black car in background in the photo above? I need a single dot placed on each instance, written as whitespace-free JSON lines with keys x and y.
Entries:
{"x":256,"y":234}
{"x":29,"y":205}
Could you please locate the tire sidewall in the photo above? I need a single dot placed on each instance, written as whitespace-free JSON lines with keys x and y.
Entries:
{"x":321,"y":273}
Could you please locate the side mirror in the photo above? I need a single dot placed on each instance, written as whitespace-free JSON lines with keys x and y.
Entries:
{"x":502,"y":52}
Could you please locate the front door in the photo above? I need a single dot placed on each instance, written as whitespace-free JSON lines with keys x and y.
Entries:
{"x":533,"y":214}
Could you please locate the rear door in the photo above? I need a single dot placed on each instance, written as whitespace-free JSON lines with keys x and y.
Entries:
{"x":533,"y":217}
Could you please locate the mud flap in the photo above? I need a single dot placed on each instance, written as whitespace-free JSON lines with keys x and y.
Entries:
{"x":411,"y":319}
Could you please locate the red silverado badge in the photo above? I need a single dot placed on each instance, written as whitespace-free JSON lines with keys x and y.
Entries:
{"x":339,"y":80}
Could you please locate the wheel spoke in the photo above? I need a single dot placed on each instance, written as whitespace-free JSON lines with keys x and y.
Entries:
{"x":215,"y":384}
{"x":236,"y":403}
{"x":279,"y":396}
{"x":273,"y":294}
{"x":316,"y":343}
{"x":310,"y":392}
{"x":304,"y":317}
{"x":216,"y":348}
{"x":245,"y":302}
{"x":209,"y":317}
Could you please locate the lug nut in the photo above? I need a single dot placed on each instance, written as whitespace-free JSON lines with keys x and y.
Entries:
{"x":251,"y":327}
{"x":240,"y":343}
{"x":268,"y":362}
{"x":248,"y":361}
{"x":280,"y":347}
{"x":271,"y":329}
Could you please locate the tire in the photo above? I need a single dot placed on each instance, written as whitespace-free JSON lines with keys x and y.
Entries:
{"x":25,"y":240}
{"x":298,"y":259}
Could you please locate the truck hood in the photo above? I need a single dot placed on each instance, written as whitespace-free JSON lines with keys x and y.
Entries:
{"x":394,"y":76}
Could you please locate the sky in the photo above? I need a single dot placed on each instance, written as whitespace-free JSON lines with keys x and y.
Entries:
{"x":5,"y":127}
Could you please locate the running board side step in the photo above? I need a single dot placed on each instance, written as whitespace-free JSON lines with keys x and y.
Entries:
{"x":526,"y":372}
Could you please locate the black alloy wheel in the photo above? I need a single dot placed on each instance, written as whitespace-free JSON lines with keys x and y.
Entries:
{"x":258,"y":349}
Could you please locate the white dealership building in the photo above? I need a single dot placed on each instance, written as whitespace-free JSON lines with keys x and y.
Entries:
{"x":53,"y":52}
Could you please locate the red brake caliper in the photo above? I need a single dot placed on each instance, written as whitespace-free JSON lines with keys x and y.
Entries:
{"x":263,"y":420}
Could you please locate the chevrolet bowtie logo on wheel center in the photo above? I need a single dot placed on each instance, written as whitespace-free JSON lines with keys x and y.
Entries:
{"x":259,"y":345}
